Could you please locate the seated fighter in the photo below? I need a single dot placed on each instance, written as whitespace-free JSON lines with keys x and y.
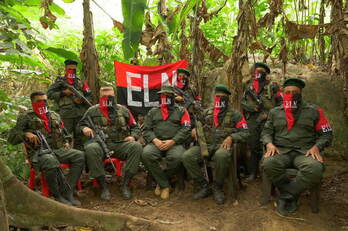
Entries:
{"x":166,"y":128}
{"x":47,"y":145}
{"x":295,"y":135}
{"x":118,"y":123}
{"x":223,"y":126}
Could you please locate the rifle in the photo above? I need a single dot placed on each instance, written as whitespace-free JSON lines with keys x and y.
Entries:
{"x":46,"y":149}
{"x":199,"y":126}
{"x":255,"y":97}
{"x":64,"y":85}
{"x":100,"y":137}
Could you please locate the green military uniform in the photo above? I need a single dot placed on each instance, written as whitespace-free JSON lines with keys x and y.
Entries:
{"x":172,"y":128}
{"x":30,"y":122}
{"x":192,"y":158}
{"x":123,"y":127}
{"x":70,"y":112}
{"x":310,"y":129}
{"x":255,"y":108}
{"x":294,"y":144}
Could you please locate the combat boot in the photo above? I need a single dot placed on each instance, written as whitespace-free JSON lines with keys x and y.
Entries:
{"x":126,"y":192}
{"x":74,"y":175}
{"x":105,"y":194}
{"x":204,"y":191}
{"x":52,"y":182}
{"x":281,"y":207}
{"x":158,"y":190}
{"x":218,"y":193}
{"x":165,"y":193}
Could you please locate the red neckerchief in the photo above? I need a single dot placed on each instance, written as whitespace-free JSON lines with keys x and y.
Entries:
{"x":104,"y":107}
{"x":86,"y":87}
{"x":164,"y":107}
{"x":256,"y":82}
{"x":289,"y":105}
{"x":40,"y":109}
{"x":70,"y":76}
{"x":180,"y":82}
{"x":217,"y":110}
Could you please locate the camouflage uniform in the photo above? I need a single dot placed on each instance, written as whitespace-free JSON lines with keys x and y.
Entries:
{"x":123,"y":126}
{"x":30,"y":122}
{"x":231,"y":125}
{"x":70,"y":112}
{"x":255,"y":109}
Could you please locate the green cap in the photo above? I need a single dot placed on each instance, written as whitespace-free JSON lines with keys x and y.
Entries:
{"x":167,"y":89}
{"x":222,"y":88}
{"x":183,"y":70}
{"x":294,"y":82}
{"x":70,"y":62}
{"x":263,"y":65}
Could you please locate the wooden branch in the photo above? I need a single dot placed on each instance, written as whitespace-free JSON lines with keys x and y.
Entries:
{"x":27,"y":209}
{"x":3,"y":212}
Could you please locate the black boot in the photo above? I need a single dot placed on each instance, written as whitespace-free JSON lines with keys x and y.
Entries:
{"x":218,"y":193}
{"x":281,"y":207}
{"x":126,"y":192}
{"x":294,"y":189}
{"x":105,"y":194}
{"x":74,"y":175}
{"x":251,"y":177}
{"x":204,"y":190}
{"x":292,"y":206}
{"x":52,"y":182}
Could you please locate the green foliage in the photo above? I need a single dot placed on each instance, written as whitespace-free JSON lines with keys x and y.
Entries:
{"x":133,"y":15}
{"x":11,"y":155}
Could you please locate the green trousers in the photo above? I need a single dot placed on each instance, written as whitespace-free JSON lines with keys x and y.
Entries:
{"x":74,"y":157}
{"x":71,"y":126}
{"x":254,"y":143}
{"x":152,"y":157}
{"x":192,"y":160}
{"x":128,"y":150}
{"x":310,"y":171}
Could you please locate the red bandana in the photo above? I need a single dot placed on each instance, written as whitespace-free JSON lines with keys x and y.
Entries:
{"x":164,"y":106}
{"x":220,"y":107}
{"x":256,"y":82}
{"x":180,"y":83}
{"x":70,"y":76}
{"x":104,"y":107}
{"x":289,"y":105}
{"x":40,"y":109}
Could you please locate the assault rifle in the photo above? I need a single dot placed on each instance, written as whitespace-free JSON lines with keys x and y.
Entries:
{"x":100,"y":137}
{"x":46,"y":149}
{"x":65,"y":85}
{"x":189,"y":100}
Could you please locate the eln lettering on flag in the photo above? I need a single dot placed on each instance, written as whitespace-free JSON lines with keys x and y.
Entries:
{"x":137,"y":86}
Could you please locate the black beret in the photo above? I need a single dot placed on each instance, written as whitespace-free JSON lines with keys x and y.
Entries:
{"x":70,"y":62}
{"x":294,"y":82}
{"x":221,"y":88}
{"x":263,"y":65}
{"x":183,"y":70}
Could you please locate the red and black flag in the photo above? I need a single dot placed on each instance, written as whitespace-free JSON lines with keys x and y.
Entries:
{"x":137,"y":86}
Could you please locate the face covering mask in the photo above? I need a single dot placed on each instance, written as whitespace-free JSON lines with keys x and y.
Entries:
{"x":181,"y":82}
{"x":259,"y":81}
{"x":70,"y":75}
{"x":220,"y":107}
{"x":166,"y":103}
{"x":291,"y":104}
{"x":41,"y":110}
{"x":106,"y":106}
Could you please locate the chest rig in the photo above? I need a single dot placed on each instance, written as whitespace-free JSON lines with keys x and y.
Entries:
{"x":215,"y":135}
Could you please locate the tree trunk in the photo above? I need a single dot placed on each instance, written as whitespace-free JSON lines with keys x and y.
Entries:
{"x":88,"y":55}
{"x":343,"y":53}
{"x":321,"y":41}
{"x":27,"y":209}
{"x":239,"y":60}
{"x":3,"y":213}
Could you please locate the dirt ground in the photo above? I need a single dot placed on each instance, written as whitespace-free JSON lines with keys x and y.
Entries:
{"x":180,"y":212}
